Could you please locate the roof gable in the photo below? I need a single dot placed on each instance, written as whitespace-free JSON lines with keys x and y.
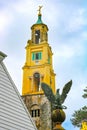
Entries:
{"x":13,"y":113}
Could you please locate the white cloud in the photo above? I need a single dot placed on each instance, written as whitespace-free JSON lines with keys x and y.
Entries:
{"x":5,"y":20}
{"x":76,"y":20}
{"x":68,"y":51}
{"x":24,"y":7}
{"x":15,"y":70}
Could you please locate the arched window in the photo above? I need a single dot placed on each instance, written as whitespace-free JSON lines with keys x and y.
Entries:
{"x":36,"y":81}
{"x":37,"y":36}
{"x":35,"y":111}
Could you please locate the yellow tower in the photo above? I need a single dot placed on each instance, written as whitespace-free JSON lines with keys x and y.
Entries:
{"x":38,"y":66}
{"x":84,"y":125}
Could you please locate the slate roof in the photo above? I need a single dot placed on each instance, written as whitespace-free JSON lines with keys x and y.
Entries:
{"x":13,"y":112}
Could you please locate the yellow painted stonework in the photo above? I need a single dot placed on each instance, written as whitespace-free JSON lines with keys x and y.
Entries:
{"x":84,"y":125}
{"x":38,"y":65}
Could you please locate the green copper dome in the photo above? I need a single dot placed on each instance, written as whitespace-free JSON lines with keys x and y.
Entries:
{"x":39,"y":21}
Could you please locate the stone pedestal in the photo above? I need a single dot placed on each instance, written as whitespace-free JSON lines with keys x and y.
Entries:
{"x":58,"y":117}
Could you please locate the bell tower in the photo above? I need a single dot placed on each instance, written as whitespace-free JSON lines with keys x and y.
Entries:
{"x":38,"y":68}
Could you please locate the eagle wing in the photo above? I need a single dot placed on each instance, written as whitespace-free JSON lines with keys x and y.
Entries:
{"x":65,"y":91}
{"x":48,"y":92}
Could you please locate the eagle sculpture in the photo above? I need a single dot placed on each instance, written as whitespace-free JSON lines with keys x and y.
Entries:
{"x":58,"y":99}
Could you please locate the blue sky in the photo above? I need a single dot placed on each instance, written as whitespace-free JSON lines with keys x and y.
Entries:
{"x":67,"y":23}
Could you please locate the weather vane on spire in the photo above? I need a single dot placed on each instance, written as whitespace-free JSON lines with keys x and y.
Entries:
{"x":39,"y":10}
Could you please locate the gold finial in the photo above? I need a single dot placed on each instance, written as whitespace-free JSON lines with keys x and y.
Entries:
{"x":39,"y":10}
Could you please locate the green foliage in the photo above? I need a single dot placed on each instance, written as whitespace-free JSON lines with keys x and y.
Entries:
{"x":85,"y":94}
{"x":79,"y":116}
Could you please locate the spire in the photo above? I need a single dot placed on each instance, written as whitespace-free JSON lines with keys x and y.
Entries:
{"x":39,"y":21}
